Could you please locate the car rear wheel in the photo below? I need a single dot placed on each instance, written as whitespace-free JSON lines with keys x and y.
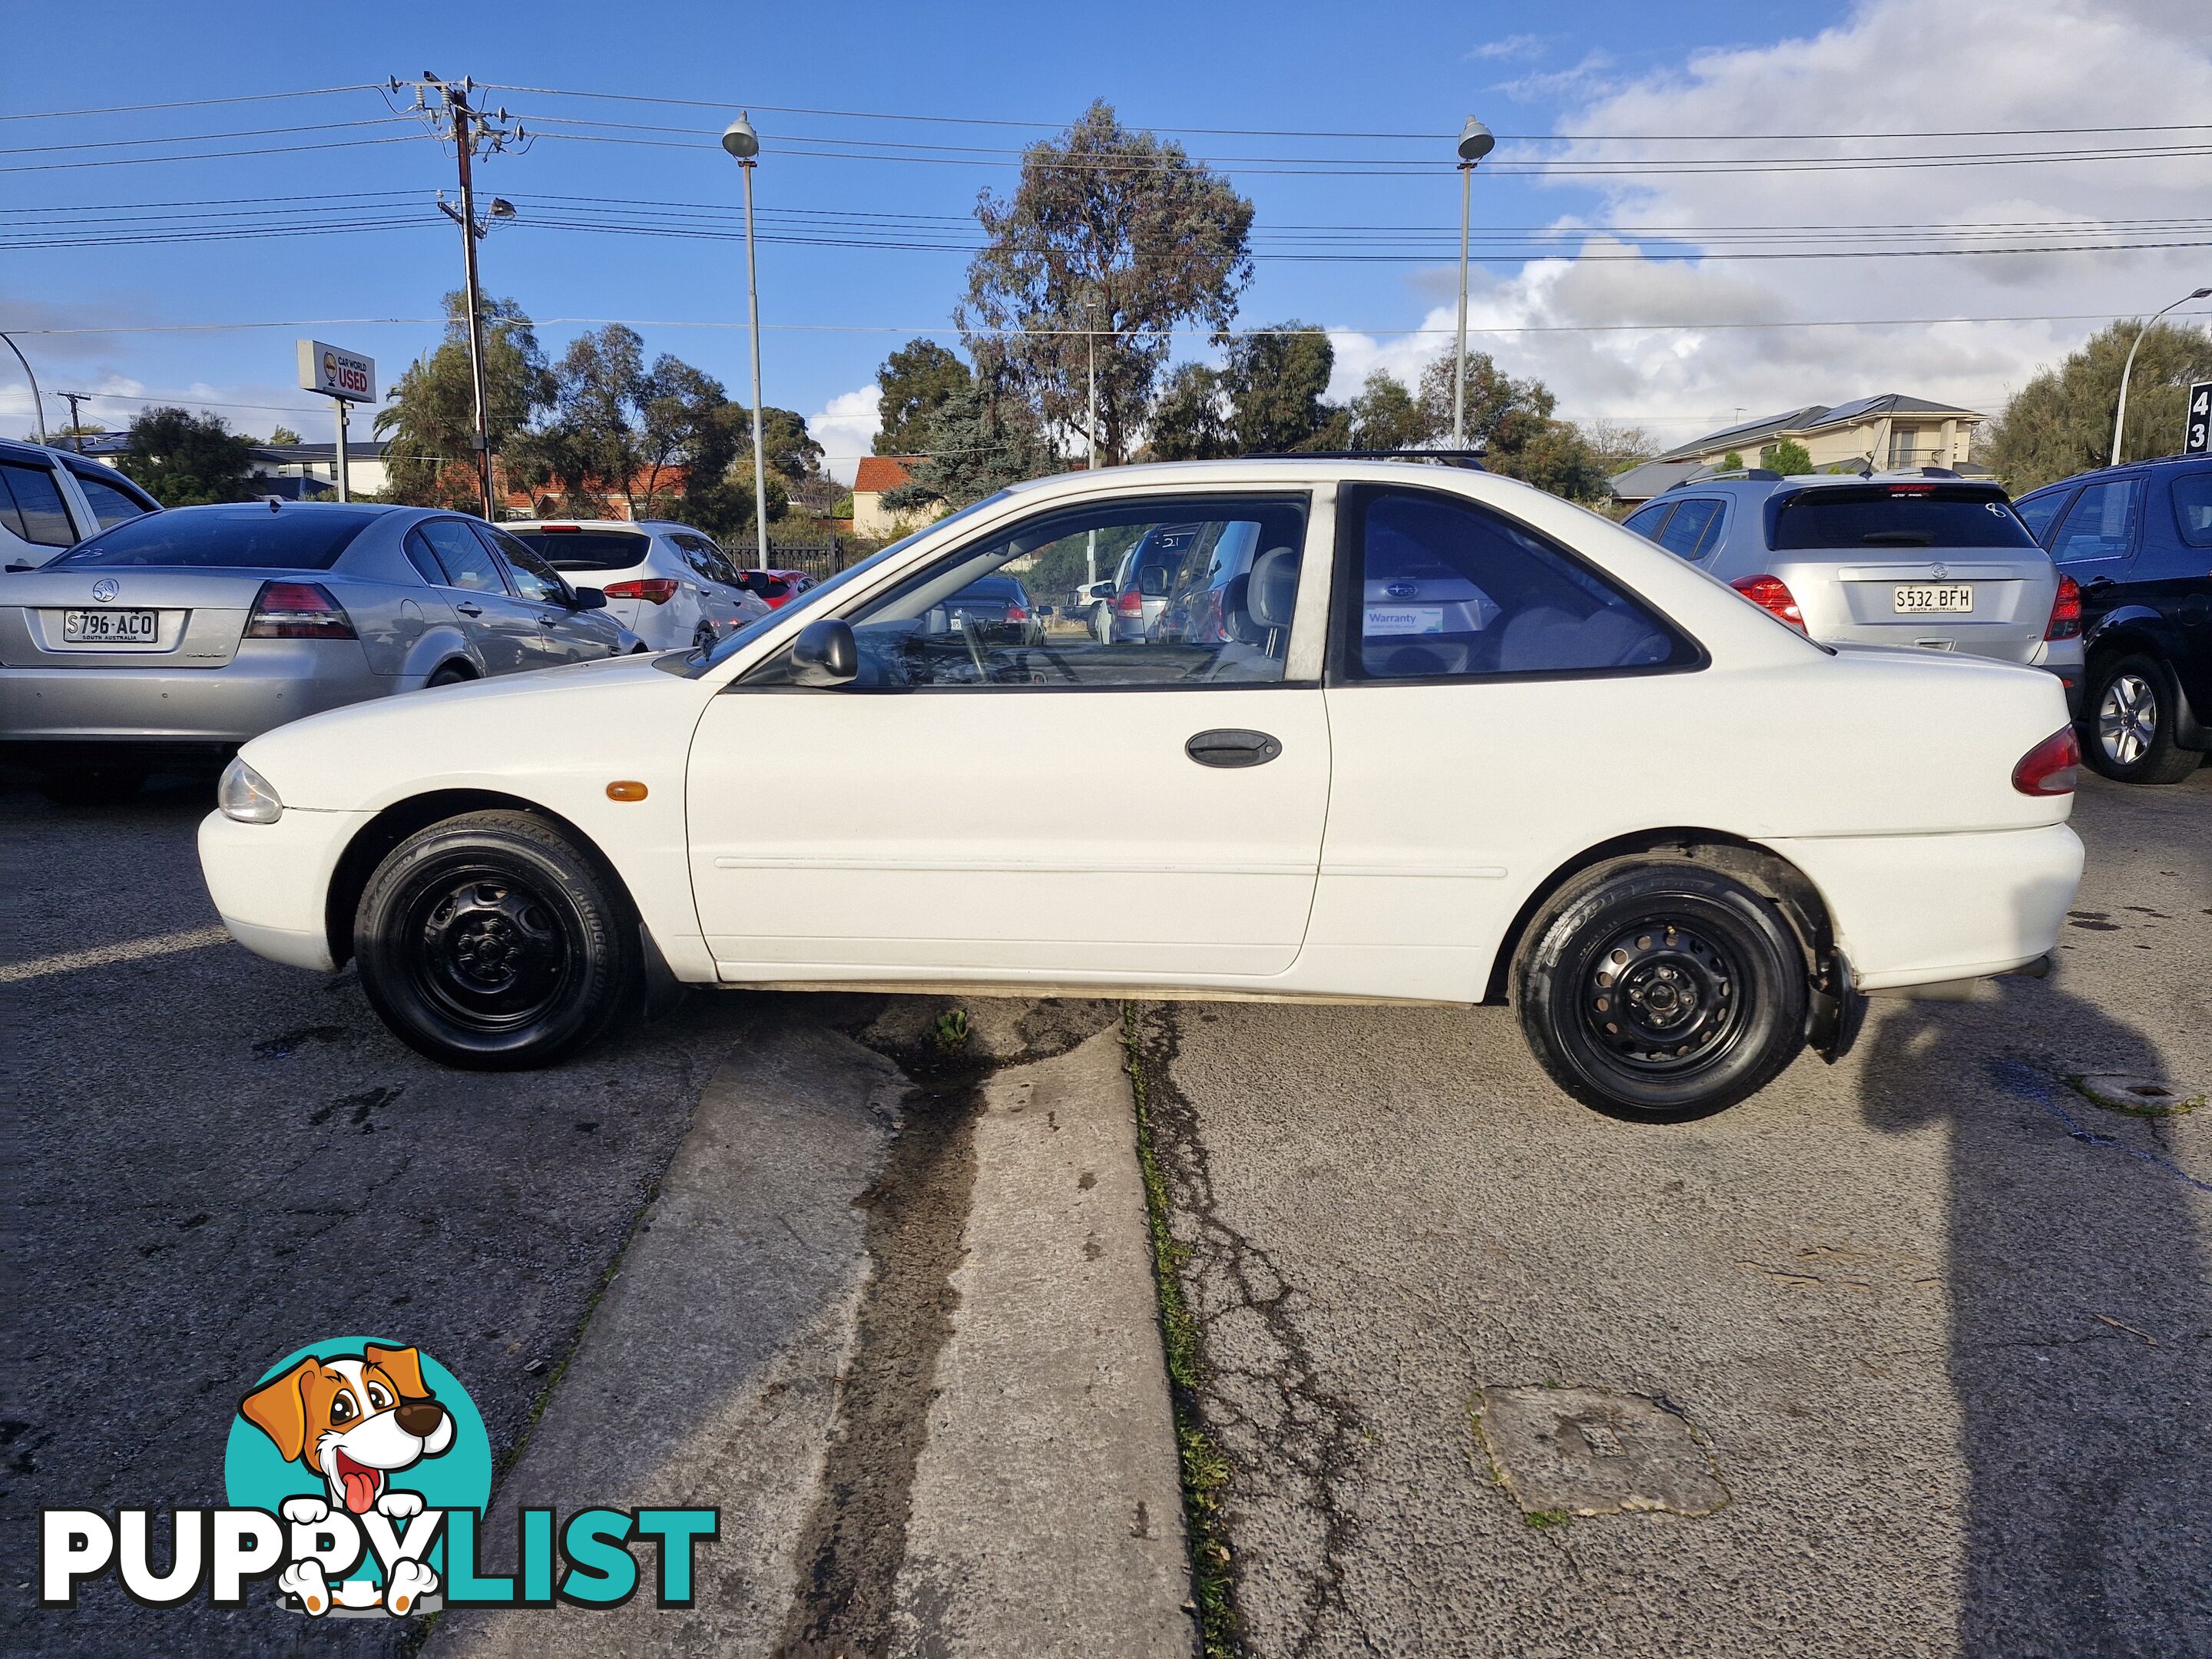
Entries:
{"x":2133,"y":707}
{"x":450,"y":674}
{"x":491,"y":941}
{"x":1661,"y":991}
{"x":92,"y":785}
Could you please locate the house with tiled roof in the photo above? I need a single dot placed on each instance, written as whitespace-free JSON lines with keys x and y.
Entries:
{"x":879,"y":474}
{"x":1883,"y":432}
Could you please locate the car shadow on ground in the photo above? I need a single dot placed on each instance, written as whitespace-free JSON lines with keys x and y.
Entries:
{"x":2080,"y":1331}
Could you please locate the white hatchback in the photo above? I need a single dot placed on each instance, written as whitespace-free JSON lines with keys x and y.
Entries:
{"x":669,"y":584}
{"x":1681,"y":837}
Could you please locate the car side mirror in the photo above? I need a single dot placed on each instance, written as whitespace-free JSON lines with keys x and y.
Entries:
{"x":825,"y":654}
{"x":1100,"y":590}
{"x":589,"y":598}
{"x":1043,"y":611}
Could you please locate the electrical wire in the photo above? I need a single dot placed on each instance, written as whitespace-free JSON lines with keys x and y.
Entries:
{"x":220,"y":155}
{"x":205,"y":137}
{"x":188,"y":103}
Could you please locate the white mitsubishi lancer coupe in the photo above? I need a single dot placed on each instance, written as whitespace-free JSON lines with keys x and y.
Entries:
{"x":1400,"y":734}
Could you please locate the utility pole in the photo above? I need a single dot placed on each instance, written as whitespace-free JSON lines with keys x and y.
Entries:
{"x":77,"y":427}
{"x":1091,"y":431}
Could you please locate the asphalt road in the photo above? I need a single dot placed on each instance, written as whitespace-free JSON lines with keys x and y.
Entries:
{"x":1953,"y":1364}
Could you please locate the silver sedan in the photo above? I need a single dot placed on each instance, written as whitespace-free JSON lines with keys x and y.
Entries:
{"x":165,"y":643}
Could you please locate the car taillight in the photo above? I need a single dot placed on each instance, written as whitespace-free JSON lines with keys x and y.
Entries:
{"x":1772,"y":593}
{"x":298,"y":611}
{"x":654,"y":590}
{"x":2065,"y":611}
{"x":1131,"y":604}
{"x":2051,"y":767}
{"x":1015,"y":613}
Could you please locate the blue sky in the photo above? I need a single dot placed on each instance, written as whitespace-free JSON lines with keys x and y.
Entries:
{"x":1382,"y":67}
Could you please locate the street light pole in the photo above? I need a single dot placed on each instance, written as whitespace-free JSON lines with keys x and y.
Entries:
{"x":2119,"y":419}
{"x":38,"y":404}
{"x":744,"y":143}
{"x":1475,"y":141}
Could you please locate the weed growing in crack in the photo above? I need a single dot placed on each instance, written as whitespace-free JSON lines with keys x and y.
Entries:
{"x":1546,"y":1518}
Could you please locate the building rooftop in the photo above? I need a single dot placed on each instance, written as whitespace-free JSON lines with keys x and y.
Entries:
{"x":880,"y":472}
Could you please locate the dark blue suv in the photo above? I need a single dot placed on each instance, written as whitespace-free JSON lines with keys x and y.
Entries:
{"x":2138,"y":539}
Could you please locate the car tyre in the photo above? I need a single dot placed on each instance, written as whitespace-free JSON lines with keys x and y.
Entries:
{"x":450,"y":674}
{"x":1661,"y":992}
{"x":492,"y":942}
{"x":92,"y":785}
{"x":2134,"y":707}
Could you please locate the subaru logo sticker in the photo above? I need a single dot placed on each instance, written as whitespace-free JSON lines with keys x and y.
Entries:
{"x":104,"y":589}
{"x":1402,"y":590}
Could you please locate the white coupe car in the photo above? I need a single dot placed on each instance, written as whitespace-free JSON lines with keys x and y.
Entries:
{"x":1447,"y":740}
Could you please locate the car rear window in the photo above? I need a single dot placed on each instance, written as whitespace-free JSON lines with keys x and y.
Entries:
{"x":586,"y":550}
{"x":2192,"y":508}
{"x":1003,"y":590}
{"x":1898,"y":516}
{"x":226,"y":538}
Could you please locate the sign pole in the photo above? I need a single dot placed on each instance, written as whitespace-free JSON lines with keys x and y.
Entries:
{"x":344,"y":494}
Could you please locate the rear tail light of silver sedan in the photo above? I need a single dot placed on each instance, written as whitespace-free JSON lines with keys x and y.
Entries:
{"x":298,"y":611}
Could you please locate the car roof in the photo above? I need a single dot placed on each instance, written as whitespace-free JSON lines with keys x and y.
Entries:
{"x":2124,"y":466}
{"x":636,"y":527}
{"x":15,"y":449}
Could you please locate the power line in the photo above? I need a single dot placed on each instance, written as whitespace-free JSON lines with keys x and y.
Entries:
{"x":218,"y":156}
{"x":203,"y":137}
{"x":189,"y":103}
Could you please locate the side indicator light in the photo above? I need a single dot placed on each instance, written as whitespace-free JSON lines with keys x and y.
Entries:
{"x":626,"y":789}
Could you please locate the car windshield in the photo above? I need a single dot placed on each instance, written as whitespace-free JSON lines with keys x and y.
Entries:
{"x":226,"y":538}
{"x":584,"y":549}
{"x":693,"y":663}
{"x":1898,"y":516}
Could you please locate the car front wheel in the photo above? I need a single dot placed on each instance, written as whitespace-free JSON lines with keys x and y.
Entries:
{"x":491,"y":941}
{"x":1661,"y":991}
{"x":2132,"y":710}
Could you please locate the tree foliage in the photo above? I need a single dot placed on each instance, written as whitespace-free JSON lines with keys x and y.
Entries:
{"x":431,"y":423}
{"x":914,"y":381}
{"x":283,"y":437}
{"x":186,"y":460}
{"x":1112,"y":238}
{"x":1190,"y":419}
{"x":1619,"y":445}
{"x":1386,"y":416}
{"x":979,"y":440}
{"x":1788,"y":457}
{"x":2060,"y":422}
{"x":1276,"y":381}
{"x":1515,"y":423}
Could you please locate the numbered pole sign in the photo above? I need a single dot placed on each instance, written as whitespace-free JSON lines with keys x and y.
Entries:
{"x":2196,"y":431}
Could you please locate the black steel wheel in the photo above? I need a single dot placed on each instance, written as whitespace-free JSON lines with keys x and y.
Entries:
{"x":491,"y":941}
{"x":1663,"y":991}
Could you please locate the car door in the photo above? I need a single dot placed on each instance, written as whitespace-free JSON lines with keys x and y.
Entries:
{"x":2095,"y":542}
{"x":2173,"y":573}
{"x":564,"y":632}
{"x":502,"y":630}
{"x":1479,"y":675}
{"x":995,"y":808}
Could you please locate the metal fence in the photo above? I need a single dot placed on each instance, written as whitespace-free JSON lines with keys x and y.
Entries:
{"x":817,"y":559}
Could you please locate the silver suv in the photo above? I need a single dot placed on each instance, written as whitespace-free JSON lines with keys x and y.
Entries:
{"x":1922,"y":558}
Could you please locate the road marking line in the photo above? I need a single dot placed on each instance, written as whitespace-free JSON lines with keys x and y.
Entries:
{"x":159,"y":944}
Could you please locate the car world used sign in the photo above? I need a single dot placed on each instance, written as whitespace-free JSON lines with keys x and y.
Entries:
{"x":336,"y":372}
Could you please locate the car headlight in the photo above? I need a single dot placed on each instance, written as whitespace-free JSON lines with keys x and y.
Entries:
{"x":245,"y":795}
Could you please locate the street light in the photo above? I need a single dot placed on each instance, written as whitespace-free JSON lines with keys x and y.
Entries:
{"x":38,"y":404}
{"x":1475,"y":141}
{"x":744,"y":145}
{"x":2120,"y":418}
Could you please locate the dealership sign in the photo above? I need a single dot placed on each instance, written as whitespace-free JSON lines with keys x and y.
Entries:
{"x":336,"y":372}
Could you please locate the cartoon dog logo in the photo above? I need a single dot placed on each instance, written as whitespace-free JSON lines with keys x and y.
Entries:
{"x":355,"y":1420}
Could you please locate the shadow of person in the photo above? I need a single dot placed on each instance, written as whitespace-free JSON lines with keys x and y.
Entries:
{"x":2080,"y":1340}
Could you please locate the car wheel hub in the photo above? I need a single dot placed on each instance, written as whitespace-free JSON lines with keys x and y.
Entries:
{"x":2127,"y":718}
{"x":491,"y":952}
{"x":1661,"y":996}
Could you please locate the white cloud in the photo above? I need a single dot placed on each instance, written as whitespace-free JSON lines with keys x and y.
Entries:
{"x":1890,"y":66}
{"x":1511,"y":46}
{"x":845,"y":427}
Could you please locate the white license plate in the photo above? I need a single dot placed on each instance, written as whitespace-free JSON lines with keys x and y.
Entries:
{"x":1920,"y":599}
{"x":111,"y":627}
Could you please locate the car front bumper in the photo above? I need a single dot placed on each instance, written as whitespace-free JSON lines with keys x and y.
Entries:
{"x":270,"y":882}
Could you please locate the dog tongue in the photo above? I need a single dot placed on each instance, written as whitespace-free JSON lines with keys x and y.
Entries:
{"x":359,"y":1489}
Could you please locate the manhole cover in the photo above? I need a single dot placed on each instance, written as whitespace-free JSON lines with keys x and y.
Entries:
{"x":2146,"y":1096}
{"x":1594,"y":1451}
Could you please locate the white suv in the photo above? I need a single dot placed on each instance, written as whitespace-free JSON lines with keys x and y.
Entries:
{"x":50,"y":500}
{"x":667,"y":583}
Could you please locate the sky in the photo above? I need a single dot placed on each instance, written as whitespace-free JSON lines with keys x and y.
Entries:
{"x":1626,"y":225}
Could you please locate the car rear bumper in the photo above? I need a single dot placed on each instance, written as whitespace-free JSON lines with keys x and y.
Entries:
{"x":1923,"y":909}
{"x":269,"y":882}
{"x":268,"y":684}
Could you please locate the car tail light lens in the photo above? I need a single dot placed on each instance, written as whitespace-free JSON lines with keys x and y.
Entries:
{"x":1015,"y":613}
{"x":1772,"y":593}
{"x":1131,"y":604}
{"x":2051,"y":767}
{"x":2065,"y":611}
{"x":654,"y":590}
{"x":298,"y":611}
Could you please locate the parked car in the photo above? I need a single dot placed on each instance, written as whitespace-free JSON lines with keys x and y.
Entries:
{"x":1132,"y":601}
{"x":50,"y":500}
{"x":1309,"y":811}
{"x":168,"y":639}
{"x":777,"y":587}
{"x":1922,"y":558}
{"x":670,"y":584}
{"x":2138,"y":541}
{"x":996,"y":610}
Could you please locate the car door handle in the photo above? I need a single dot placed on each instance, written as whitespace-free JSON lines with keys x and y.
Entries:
{"x":470,"y":609}
{"x":1230,"y":746}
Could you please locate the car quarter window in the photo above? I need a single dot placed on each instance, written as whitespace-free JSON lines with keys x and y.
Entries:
{"x":1694,"y":528}
{"x":2101,"y":523}
{"x":460,"y":558}
{"x":2192,"y":508}
{"x":1443,"y":588}
{"x":2038,"y":512}
{"x":112,"y":500}
{"x":1646,"y":521}
{"x":975,"y":618}
{"x":533,"y":578}
{"x":31,"y":506}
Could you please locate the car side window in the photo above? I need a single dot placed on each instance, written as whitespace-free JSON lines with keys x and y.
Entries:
{"x":111,"y":503}
{"x":2101,"y":523}
{"x":31,"y":506}
{"x":1694,"y":528}
{"x":706,"y":558}
{"x":1645,"y":522}
{"x":2192,"y":508}
{"x":971,"y":619}
{"x":1445,"y":589}
{"x":461,"y":560}
{"x":534,"y":579}
{"x":2039,"y":513}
